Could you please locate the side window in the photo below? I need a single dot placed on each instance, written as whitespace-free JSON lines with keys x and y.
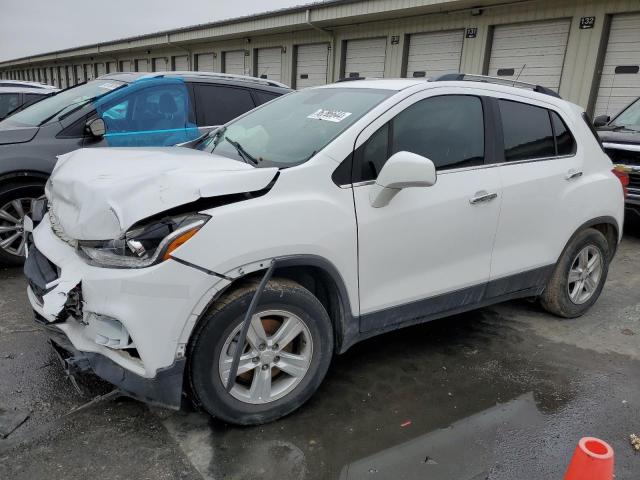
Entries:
{"x":448,"y":130}
{"x":8,"y":103}
{"x":565,"y":143}
{"x":216,"y":105}
{"x":527,"y":131}
{"x":156,"y":108}
{"x":264,"y":97}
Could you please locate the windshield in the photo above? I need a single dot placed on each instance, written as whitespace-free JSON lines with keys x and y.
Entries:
{"x":64,"y":102}
{"x":629,"y":118}
{"x":290,"y":130}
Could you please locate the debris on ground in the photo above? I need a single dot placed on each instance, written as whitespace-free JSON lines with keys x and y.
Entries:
{"x":635,"y":441}
{"x":406,"y":423}
{"x":10,"y":420}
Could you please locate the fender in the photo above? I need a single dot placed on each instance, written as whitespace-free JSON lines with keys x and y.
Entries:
{"x":598,"y":221}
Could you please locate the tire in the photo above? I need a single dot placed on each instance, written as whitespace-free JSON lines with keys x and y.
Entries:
{"x":566,"y":298}
{"x":209,"y":353}
{"x":12,"y":254}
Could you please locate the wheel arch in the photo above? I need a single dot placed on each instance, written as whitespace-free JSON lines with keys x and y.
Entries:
{"x":606,"y":225}
{"x":23,"y":177}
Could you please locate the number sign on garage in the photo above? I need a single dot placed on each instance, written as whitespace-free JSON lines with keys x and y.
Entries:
{"x":434,"y":53}
{"x":365,"y":57}
{"x":531,"y":52}
{"x":269,"y":63}
{"x":620,"y":78}
{"x":312,"y":64}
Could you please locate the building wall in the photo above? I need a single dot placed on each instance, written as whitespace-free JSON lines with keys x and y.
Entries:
{"x":366,"y":19}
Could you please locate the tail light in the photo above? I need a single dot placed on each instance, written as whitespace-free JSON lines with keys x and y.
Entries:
{"x":621,"y":172}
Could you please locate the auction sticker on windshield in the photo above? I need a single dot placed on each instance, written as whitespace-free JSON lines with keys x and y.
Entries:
{"x":329,"y":115}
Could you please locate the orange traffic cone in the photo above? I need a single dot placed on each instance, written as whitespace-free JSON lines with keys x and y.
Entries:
{"x":592,"y":460}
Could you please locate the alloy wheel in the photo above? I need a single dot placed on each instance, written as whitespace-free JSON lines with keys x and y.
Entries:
{"x":275,"y":357}
{"x":585,"y":274}
{"x":12,"y":234}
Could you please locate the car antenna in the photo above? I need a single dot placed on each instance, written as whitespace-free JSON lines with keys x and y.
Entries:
{"x":519,"y":73}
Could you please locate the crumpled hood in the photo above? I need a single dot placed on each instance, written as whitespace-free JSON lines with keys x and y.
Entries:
{"x":99,"y":193}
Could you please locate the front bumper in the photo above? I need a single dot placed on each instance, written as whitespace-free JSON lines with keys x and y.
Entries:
{"x":153,"y":310}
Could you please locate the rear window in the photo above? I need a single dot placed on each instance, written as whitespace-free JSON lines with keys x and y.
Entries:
{"x":527,"y":131}
{"x":216,"y":105}
{"x":264,"y":97}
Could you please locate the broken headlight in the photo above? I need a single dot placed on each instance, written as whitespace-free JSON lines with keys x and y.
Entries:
{"x":143,"y":246}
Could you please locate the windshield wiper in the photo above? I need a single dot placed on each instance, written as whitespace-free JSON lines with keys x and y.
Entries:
{"x":81,"y":104}
{"x":242,"y":152}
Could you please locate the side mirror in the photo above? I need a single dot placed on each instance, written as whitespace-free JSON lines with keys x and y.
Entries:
{"x":601,"y":120}
{"x":96,"y":127}
{"x":402,"y":170}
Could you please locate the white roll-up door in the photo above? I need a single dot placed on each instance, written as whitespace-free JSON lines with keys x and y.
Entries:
{"x":79,"y":71}
{"x":112,"y":67}
{"x":55,"y":79}
{"x":365,"y":58}
{"x":100,"y":69}
{"x":620,"y":79}
{"x":125,"y":66}
{"x":532,"y":52}
{"x":142,"y":65}
{"x":71,"y":79}
{"x":88,"y":72}
{"x":312,"y":65}
{"x":181,"y":63}
{"x":269,"y":63}
{"x":234,"y":62}
{"x":434,"y":53}
{"x":160,"y":64}
{"x":204,"y":62}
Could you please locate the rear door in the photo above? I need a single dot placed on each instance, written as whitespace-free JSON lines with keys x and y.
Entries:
{"x":540,"y":170}
{"x":217,"y":104}
{"x":429,"y":250}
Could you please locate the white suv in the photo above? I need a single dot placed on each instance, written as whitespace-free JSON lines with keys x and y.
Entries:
{"x":324,"y":217}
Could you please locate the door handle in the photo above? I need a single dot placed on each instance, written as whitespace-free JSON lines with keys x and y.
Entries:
{"x":482,"y":197}
{"x":573,"y":174}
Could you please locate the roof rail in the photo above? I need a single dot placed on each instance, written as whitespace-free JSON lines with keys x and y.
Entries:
{"x":350,"y":79}
{"x":448,"y":77}
{"x":228,"y":76}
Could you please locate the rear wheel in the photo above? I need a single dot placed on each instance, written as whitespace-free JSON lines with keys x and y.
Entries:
{"x":16,"y":201}
{"x":579,"y":276}
{"x":286,"y":355}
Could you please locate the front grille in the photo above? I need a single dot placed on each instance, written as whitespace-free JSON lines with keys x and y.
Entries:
{"x":634,"y":180}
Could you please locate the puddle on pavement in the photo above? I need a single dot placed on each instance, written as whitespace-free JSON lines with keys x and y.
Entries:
{"x":429,"y":400}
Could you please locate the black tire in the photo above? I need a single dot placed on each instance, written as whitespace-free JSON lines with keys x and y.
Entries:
{"x":8,"y":193}
{"x":556,"y":298}
{"x":218,"y":324}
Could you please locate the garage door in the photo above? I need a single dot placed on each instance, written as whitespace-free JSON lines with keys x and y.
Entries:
{"x":269,"y":63}
{"x":142,"y":65}
{"x":125,"y":66}
{"x":54,"y":77}
{"x":620,"y":79}
{"x":204,"y":62}
{"x":531,"y":52}
{"x":365,"y":58}
{"x":100,"y":69}
{"x":312,"y":63}
{"x":71,"y":78}
{"x":88,"y":72}
{"x":160,"y":64}
{"x":434,"y":53}
{"x":112,"y":67}
{"x":234,"y":62}
{"x":79,"y":71}
{"x":181,"y":63}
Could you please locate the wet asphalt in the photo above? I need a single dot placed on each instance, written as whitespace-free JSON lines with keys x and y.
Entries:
{"x":499,"y":393}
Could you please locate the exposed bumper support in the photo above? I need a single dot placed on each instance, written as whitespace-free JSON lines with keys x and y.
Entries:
{"x":163,"y":390}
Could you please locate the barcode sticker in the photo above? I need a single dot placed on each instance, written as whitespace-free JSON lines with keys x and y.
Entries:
{"x":329,"y":115}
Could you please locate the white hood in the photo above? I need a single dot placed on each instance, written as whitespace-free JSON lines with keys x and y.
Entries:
{"x":99,"y":193}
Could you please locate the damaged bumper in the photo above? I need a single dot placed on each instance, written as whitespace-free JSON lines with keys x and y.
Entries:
{"x":128,"y":326}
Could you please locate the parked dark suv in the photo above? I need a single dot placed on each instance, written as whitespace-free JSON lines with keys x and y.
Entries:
{"x":621,"y":140}
{"x":121,"y":109}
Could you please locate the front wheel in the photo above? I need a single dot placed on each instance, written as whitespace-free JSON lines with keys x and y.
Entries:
{"x":16,"y":201}
{"x":579,"y":276}
{"x":285,"y":357}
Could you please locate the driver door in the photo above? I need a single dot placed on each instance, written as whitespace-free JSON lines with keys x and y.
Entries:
{"x":429,"y":250}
